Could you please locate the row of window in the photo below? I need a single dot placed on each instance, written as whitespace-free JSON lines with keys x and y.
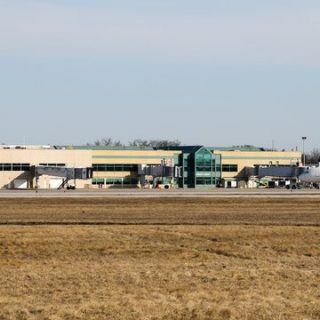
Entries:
{"x":205,"y":163}
{"x":25,"y":166}
{"x":224,"y":167}
{"x":208,"y":168}
{"x":108,"y":167}
{"x":14,"y":166}
{"x":117,"y":181}
{"x":202,"y":181}
{"x":230,"y":168}
{"x":115,"y":167}
{"x":205,"y":181}
{"x":200,"y":163}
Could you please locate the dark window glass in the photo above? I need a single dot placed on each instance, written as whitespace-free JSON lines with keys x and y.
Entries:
{"x":204,"y":163}
{"x":117,"y":181}
{"x":130,"y":167}
{"x":204,"y":181}
{"x":97,"y":181}
{"x":7,"y":167}
{"x":229,"y":167}
{"x":204,"y":168}
{"x":25,"y":166}
{"x":16,"y":167}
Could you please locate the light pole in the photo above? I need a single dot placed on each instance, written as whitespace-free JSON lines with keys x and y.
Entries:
{"x":304,"y":155}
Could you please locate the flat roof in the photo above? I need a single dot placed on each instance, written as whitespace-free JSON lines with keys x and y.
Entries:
{"x":184,"y":148}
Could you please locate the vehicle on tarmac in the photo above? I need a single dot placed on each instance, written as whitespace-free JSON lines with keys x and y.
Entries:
{"x":310,"y":175}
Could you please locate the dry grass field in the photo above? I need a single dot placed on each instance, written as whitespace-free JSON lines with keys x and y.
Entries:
{"x":160,"y":259}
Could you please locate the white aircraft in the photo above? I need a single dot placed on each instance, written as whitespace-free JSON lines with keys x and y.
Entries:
{"x":310,"y":175}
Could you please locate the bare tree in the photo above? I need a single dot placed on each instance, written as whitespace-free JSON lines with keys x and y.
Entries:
{"x":164,"y":143}
{"x":105,"y":142}
{"x":313,"y":157}
{"x":154,"y":143}
{"x":139,"y":143}
{"x":117,"y":143}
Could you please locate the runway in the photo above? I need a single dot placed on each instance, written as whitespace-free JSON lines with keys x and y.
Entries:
{"x":137,"y":193}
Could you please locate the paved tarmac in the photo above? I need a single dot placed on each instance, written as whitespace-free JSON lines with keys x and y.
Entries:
{"x":178,"y":193}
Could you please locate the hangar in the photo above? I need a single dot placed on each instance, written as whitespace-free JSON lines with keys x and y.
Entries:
{"x":46,"y":167}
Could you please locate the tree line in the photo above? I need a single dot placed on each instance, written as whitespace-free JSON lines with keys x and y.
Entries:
{"x":313,"y":157}
{"x":141,"y":143}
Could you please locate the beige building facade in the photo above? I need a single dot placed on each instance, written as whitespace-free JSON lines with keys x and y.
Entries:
{"x":121,"y":167}
{"x":200,"y":166}
{"x":233,"y":163}
{"x":15,"y":164}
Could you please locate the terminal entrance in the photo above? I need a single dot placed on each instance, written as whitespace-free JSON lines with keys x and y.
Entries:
{"x":201,"y":168}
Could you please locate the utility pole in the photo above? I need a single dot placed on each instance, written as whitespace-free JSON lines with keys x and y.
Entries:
{"x":304,"y":155}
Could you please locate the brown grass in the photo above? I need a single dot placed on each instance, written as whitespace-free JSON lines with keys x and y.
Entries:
{"x":228,"y":211}
{"x":253,"y":259}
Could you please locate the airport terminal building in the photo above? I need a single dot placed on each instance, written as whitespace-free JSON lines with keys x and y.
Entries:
{"x":52,"y":167}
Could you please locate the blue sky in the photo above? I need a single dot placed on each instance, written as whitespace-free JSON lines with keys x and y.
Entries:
{"x":209,"y":72}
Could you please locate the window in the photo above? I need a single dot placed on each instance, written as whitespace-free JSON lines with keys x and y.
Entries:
{"x":7,"y":167}
{"x":204,"y":168}
{"x":204,"y":181}
{"x":25,"y":167}
{"x":230,"y":168}
{"x":204,"y":161}
{"x":14,"y":166}
{"x":117,"y":181}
